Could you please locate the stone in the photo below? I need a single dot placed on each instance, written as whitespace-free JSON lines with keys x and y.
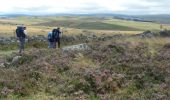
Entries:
{"x":16,"y":59}
{"x":79,"y":47}
{"x":2,"y":65}
{"x":167,"y":46}
{"x":165,"y":33}
{"x":147,"y":34}
{"x":160,"y":96}
{"x":5,"y":91}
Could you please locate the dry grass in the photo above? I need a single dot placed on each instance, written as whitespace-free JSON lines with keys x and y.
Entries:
{"x":122,"y":68}
{"x":139,"y":25}
{"x":8,"y":26}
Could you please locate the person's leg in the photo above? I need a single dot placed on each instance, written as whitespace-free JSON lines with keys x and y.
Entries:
{"x":50,"y":44}
{"x":58,"y":42}
{"x":20,"y":45}
{"x":23,"y":44}
{"x":54,"y":44}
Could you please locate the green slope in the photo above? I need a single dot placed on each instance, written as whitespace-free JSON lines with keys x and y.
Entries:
{"x":88,"y":25}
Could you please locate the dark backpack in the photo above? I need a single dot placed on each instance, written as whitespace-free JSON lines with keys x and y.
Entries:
{"x":55,"y":34}
{"x":50,"y":37}
{"x":20,"y":32}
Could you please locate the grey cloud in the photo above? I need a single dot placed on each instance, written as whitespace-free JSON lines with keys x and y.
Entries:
{"x":149,"y":7}
{"x":152,"y":7}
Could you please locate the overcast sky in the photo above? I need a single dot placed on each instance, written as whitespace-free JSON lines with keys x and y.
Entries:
{"x":134,"y":7}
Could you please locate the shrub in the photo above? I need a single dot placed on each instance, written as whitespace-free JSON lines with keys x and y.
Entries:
{"x":165,"y":33}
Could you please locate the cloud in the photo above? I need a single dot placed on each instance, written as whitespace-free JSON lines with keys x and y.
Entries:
{"x":85,"y":6}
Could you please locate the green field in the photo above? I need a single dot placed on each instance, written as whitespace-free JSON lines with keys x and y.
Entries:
{"x":76,"y":25}
{"x":127,"y":67}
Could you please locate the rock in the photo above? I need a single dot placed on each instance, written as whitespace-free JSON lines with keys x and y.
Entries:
{"x":167,"y":46}
{"x":160,"y":96}
{"x":16,"y":59}
{"x":5,"y":91}
{"x":78,"y":93}
{"x":165,"y":33}
{"x":118,"y":76}
{"x":2,"y":65}
{"x":37,"y":38}
{"x":84,"y":37}
{"x":105,"y":37}
{"x":78,"y":47}
{"x":167,"y":79}
{"x":147,"y":34}
{"x":7,"y":40}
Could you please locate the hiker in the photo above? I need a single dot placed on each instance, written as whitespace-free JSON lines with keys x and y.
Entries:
{"x":50,"y":40}
{"x":54,"y":37}
{"x":57,"y":35}
{"x":21,"y":35}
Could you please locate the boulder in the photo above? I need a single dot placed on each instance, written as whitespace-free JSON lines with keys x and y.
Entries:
{"x":16,"y":59}
{"x":5,"y":91}
{"x":78,"y":47}
{"x":167,"y":46}
{"x":2,"y":65}
{"x":165,"y":33}
{"x":147,"y":34}
{"x":37,"y":38}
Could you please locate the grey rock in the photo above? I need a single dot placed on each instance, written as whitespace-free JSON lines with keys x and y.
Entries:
{"x":16,"y":59}
{"x":167,"y":46}
{"x":78,"y":47}
{"x":165,"y":33}
{"x":160,"y":96}
{"x":5,"y":91}
{"x":2,"y":65}
{"x":147,"y":34}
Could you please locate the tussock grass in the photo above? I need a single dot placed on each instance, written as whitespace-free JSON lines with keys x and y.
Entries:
{"x":120,"y":68}
{"x":124,"y":68}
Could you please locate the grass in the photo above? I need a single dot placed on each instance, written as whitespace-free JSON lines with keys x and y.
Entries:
{"x":124,"y":68}
{"x":87,"y":25}
{"x":137,"y":25}
{"x":76,"y":25}
{"x":118,"y":68}
{"x":104,"y":26}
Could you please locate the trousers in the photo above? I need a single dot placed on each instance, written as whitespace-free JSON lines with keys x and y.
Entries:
{"x":21,"y":44}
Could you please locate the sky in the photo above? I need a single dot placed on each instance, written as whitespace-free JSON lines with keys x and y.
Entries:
{"x":130,"y":7}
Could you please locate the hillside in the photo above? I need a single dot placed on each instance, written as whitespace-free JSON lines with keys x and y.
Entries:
{"x":99,"y":59}
{"x":163,"y":19}
{"x":119,"y":68}
{"x":95,"y":25}
{"x":41,"y":25}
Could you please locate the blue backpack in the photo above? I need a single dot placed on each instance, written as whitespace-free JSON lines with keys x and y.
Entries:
{"x":20,"y":32}
{"x":50,"y":37}
{"x":55,"y":34}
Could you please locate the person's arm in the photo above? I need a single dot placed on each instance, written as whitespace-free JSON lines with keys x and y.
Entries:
{"x":60,"y":33}
{"x":25,"y":32}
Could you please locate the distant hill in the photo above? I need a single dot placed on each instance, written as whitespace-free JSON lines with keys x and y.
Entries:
{"x":97,"y":25}
{"x":164,"y":19}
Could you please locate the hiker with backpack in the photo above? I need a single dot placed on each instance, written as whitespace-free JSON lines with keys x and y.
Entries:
{"x":21,"y":35}
{"x":57,"y":36}
{"x":50,"y":40}
{"x":54,"y":37}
